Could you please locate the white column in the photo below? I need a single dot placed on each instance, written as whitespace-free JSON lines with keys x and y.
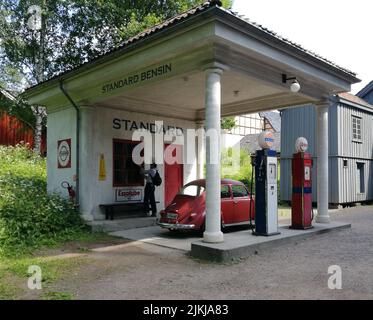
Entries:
{"x":322,"y":164}
{"x":213,"y":232}
{"x":200,"y":150}
{"x":87,"y":171}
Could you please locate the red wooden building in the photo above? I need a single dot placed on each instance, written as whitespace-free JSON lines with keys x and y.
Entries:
{"x":14,"y":130}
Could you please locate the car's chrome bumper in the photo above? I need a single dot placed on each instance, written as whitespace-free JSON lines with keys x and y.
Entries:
{"x":176,"y":226}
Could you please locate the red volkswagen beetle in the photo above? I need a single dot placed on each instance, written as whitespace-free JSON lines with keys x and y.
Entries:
{"x":187,"y":210}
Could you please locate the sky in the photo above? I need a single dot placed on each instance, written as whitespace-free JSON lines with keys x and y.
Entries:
{"x":339,"y":30}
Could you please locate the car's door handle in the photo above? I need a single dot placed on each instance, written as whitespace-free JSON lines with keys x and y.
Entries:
{"x":235,"y":201}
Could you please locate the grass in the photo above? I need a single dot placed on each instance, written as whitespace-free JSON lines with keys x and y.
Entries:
{"x":13,"y":284}
{"x":30,"y":217}
{"x":54,"y":267}
{"x":53,"y":295}
{"x":33,"y":224}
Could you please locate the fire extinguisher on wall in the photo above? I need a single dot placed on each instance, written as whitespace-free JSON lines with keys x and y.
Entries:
{"x":70,"y":190}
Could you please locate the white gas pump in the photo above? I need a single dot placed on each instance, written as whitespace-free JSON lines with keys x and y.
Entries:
{"x":266,"y":218}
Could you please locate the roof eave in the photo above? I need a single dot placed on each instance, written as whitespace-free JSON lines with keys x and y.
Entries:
{"x":288,"y":48}
{"x":353,"y":104}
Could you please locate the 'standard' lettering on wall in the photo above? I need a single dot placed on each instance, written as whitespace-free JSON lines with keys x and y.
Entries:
{"x":137,"y":78}
{"x":131,"y":125}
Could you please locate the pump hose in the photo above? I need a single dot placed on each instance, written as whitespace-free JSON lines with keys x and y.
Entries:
{"x":313,"y":214}
{"x":251,"y":196}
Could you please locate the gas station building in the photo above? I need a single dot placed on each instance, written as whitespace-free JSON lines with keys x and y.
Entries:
{"x":188,"y":72}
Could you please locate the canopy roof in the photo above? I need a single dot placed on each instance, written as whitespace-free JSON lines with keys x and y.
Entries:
{"x":172,"y":56}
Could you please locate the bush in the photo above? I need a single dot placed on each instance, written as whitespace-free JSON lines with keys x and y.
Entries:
{"x":29,"y":216}
{"x":245,"y":171}
{"x":244,"y":174}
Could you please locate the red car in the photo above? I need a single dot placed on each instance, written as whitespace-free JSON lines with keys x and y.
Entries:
{"x":187,"y":210}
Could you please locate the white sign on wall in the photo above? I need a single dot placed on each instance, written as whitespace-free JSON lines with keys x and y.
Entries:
{"x":128,"y":194}
{"x":64,"y":153}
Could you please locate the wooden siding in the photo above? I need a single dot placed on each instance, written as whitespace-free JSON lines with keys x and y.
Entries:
{"x":301,"y":121}
{"x":14,"y":131}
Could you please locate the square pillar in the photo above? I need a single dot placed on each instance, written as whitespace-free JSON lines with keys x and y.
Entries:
{"x":322,"y":163}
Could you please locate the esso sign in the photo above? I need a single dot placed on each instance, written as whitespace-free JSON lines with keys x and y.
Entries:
{"x":266,"y":140}
{"x":301,"y":144}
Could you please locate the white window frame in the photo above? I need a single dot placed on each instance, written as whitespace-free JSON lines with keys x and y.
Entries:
{"x":356,"y":128}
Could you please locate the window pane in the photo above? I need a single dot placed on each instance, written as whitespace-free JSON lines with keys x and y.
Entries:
{"x":126,"y":172}
{"x":192,"y":190}
{"x":239,"y":191}
{"x":356,"y":128}
{"x":225,"y":192}
{"x":360,"y":178}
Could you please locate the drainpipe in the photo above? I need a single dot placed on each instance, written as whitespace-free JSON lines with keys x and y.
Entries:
{"x":77,"y":139}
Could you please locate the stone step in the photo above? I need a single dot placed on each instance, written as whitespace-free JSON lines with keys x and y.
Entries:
{"x":121,"y":224}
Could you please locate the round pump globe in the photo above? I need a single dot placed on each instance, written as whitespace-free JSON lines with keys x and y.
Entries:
{"x":266,"y":140}
{"x":295,"y":86}
{"x":301,"y":144}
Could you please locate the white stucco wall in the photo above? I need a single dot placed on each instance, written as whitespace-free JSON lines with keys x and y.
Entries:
{"x":96,"y":138}
{"x":61,"y":125}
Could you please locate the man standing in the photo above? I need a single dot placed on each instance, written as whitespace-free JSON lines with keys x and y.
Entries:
{"x":150,"y":189}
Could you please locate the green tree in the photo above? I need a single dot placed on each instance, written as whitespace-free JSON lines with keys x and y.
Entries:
{"x":68,"y":33}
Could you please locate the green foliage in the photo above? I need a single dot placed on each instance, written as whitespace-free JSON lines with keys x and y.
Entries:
{"x":245,"y":169}
{"x":29,"y":217}
{"x":228,"y":123}
{"x":72,"y":32}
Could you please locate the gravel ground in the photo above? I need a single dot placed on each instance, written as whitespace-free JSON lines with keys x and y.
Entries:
{"x":295,"y":271}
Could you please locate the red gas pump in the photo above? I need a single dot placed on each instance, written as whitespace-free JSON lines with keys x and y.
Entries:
{"x":301,"y":201}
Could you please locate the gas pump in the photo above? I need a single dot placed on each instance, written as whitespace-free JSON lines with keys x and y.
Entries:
{"x":301,"y":200}
{"x":266,"y":222}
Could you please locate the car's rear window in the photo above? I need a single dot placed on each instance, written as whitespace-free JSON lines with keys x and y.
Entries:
{"x":192,"y":190}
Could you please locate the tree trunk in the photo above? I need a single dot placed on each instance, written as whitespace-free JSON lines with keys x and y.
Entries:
{"x":39,"y":111}
{"x":38,"y":130}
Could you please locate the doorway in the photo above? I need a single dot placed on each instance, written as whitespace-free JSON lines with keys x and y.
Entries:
{"x":173,"y":172}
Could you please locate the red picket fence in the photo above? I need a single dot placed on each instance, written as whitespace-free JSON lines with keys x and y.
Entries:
{"x":14,"y":131}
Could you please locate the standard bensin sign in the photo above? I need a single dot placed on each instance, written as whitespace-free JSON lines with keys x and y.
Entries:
{"x":137,"y":78}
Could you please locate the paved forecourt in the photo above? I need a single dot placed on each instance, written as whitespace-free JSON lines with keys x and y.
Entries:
{"x":238,"y":244}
